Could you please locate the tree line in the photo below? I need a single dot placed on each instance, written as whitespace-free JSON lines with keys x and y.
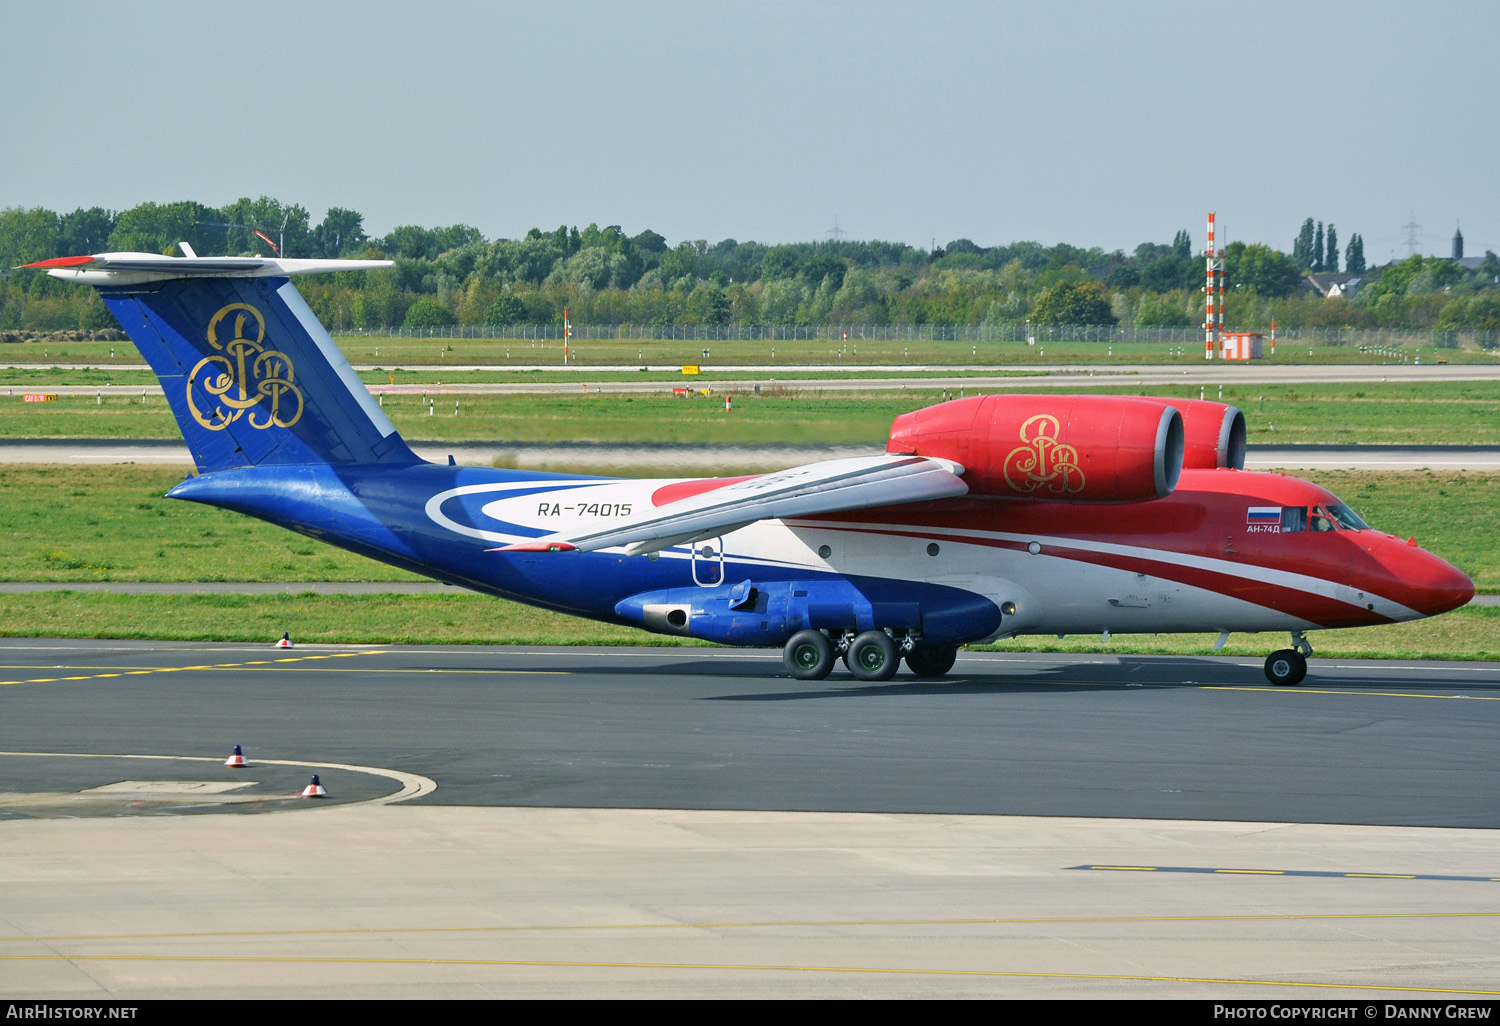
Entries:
{"x":1315,"y":251}
{"x":454,"y":275}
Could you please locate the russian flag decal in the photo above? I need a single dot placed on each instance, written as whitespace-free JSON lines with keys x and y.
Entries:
{"x":1269,"y":515}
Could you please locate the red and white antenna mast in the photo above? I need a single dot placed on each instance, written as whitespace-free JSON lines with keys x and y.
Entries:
{"x":1213,"y":320}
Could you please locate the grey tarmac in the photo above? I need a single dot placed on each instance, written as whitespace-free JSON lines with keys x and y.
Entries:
{"x":627,"y":823}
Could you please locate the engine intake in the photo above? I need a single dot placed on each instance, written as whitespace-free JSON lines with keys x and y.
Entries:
{"x":1066,"y":448}
{"x":1214,"y":434}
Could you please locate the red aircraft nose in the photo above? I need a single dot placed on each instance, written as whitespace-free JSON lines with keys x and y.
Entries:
{"x":1426,"y":583}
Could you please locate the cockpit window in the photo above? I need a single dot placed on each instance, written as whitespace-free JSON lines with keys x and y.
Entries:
{"x":1347,"y":518}
{"x":1331,"y":517}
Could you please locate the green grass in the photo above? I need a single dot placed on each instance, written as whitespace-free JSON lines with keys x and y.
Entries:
{"x":1468,"y":633}
{"x":50,"y":352}
{"x":461,"y":618}
{"x":40,"y":379}
{"x":1385,"y":413}
{"x":1365,"y":413}
{"x":392,"y":352}
{"x":114,"y":417}
{"x":819,"y":418}
{"x":113,"y":523}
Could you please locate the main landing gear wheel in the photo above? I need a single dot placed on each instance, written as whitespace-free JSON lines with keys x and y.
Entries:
{"x":931,"y":660}
{"x":873,"y":656}
{"x":1286,"y":667}
{"x":808,"y":655}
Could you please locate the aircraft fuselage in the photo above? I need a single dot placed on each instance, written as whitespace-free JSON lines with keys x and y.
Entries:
{"x":1196,"y":560}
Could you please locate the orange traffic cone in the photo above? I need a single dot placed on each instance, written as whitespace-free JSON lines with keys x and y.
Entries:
{"x":286,"y":640}
{"x":236,"y":760}
{"x":314,"y":790}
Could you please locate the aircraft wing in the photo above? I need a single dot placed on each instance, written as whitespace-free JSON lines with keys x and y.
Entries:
{"x":828,"y":487}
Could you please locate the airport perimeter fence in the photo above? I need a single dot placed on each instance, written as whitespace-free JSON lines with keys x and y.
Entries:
{"x":1117,"y":334}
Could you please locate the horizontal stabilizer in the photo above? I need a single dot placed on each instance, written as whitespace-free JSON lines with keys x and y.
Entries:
{"x":139,"y":268}
{"x":832,"y":486}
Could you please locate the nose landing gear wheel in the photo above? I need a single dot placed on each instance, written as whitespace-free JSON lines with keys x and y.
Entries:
{"x":808,"y":655}
{"x":1285,"y":668}
{"x":873,"y":656}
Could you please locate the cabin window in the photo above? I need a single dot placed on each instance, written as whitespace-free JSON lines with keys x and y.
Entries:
{"x":1293,"y":519}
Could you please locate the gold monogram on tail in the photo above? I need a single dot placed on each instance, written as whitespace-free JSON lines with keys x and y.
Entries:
{"x":1042,"y":463}
{"x":246,"y":376}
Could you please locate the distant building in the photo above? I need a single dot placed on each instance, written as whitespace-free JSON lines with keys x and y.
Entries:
{"x":1330,"y":286}
{"x":1241,"y":345}
{"x":1458,"y":244}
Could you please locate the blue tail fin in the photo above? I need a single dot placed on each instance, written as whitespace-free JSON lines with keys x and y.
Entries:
{"x":251,"y":375}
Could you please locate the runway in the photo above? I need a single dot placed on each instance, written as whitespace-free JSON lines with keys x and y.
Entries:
{"x":1031,"y":734}
{"x":606,"y":822}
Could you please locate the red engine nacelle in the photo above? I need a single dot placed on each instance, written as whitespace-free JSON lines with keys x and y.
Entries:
{"x":1214,"y":434}
{"x":1074,"y":448}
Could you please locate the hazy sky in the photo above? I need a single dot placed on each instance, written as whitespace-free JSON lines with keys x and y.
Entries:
{"x":1101,"y":124}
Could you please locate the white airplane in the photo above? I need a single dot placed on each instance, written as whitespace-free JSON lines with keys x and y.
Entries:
{"x":986,"y":517}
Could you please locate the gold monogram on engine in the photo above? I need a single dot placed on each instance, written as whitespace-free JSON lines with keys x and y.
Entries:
{"x":1041,"y":463}
{"x":247,"y":379}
